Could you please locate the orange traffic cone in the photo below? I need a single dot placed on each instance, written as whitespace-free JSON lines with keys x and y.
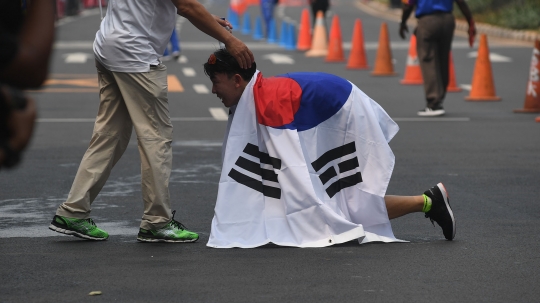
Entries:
{"x":452,"y":84}
{"x":304,"y":32}
{"x":413,"y":73}
{"x":532,"y":95}
{"x":357,"y":57}
{"x":319,"y":44}
{"x":482,"y":88}
{"x":335,"y":45}
{"x":537,"y":119}
{"x":383,"y":62}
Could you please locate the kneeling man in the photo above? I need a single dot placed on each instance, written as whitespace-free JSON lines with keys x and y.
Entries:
{"x":306,"y":162}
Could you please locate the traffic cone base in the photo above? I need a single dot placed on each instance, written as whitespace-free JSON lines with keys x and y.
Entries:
{"x":319,"y":44}
{"x":383,"y":62}
{"x":532,"y":94}
{"x":526,"y":110}
{"x":482,"y":88}
{"x":483,"y":98}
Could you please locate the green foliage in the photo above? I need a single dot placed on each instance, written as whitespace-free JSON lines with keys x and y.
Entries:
{"x":516,"y":14}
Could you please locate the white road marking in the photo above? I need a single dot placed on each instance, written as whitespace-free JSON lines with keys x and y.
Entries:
{"x":254,"y":45}
{"x":201,"y":89}
{"x":433,"y":119}
{"x":77,"y":57}
{"x":493,"y":57}
{"x":466,"y":86}
{"x":189,"y":72}
{"x":279,"y":58}
{"x":218,"y":113}
{"x":182,"y":59}
{"x":92,"y":120}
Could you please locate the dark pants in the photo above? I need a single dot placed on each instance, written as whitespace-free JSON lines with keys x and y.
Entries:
{"x":434,"y":35}
{"x":319,"y":5}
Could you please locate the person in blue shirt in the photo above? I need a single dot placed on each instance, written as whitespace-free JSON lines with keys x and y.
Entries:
{"x":434,"y":33}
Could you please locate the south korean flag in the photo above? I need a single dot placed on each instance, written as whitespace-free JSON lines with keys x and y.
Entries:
{"x":347,"y":173}
{"x":254,"y":165}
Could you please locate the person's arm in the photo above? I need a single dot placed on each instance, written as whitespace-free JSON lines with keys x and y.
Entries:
{"x":197,"y":14}
{"x":464,"y":8}
{"x":19,"y":122}
{"x":29,"y":67}
{"x":403,"y":28}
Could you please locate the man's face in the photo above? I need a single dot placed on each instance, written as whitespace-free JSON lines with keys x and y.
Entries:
{"x":226,"y":88}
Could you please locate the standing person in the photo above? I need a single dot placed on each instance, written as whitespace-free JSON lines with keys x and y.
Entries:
{"x":267,"y":10}
{"x":133,"y":93}
{"x":175,"y":47}
{"x":319,"y":5}
{"x":434,"y":34}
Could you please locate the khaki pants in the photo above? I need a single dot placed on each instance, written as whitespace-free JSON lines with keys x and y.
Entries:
{"x":434,"y":35}
{"x":128,"y":100}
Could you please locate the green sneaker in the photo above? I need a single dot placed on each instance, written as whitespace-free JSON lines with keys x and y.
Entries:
{"x":82,"y":228}
{"x":173,"y":232}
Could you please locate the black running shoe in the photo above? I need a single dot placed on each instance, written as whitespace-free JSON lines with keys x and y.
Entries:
{"x":440,"y":211}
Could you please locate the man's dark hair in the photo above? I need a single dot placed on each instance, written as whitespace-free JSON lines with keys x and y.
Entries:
{"x":224,"y":62}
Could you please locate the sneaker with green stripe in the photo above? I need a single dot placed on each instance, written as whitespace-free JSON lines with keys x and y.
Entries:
{"x":82,"y":228}
{"x":173,"y":232}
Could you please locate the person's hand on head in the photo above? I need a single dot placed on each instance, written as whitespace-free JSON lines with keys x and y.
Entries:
{"x":240,"y":52}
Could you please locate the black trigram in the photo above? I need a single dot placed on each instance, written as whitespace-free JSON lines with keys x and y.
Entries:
{"x":254,"y":167}
{"x":344,"y":166}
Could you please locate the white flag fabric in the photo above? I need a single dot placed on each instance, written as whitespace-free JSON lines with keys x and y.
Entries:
{"x":306,"y":163}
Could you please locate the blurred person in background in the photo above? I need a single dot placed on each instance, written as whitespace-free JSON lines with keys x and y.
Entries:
{"x":434,"y":33}
{"x":26,"y":38}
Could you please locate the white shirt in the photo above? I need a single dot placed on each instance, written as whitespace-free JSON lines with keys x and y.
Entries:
{"x":134,"y":33}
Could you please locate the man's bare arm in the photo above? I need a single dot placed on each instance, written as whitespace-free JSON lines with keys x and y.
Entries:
{"x":403,"y":28}
{"x":464,"y":8}
{"x":197,"y":14}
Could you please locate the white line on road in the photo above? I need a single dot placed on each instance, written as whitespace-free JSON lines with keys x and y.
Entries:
{"x":201,"y":89}
{"x":92,"y":120}
{"x":251,"y":45}
{"x":218,"y":113}
{"x":466,"y":86}
{"x":433,"y":119}
{"x":189,"y":72}
{"x":182,"y":59}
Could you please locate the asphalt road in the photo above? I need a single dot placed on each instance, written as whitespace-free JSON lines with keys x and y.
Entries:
{"x":486,"y":156}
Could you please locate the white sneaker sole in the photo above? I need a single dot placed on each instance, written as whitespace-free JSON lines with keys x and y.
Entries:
{"x":74,"y":233}
{"x":151,"y":240}
{"x":447,"y":203}
{"x":435,"y":113}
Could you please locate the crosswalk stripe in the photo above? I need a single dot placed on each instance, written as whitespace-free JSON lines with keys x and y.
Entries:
{"x":218,"y":113}
{"x":189,"y":72}
{"x":201,"y":89}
